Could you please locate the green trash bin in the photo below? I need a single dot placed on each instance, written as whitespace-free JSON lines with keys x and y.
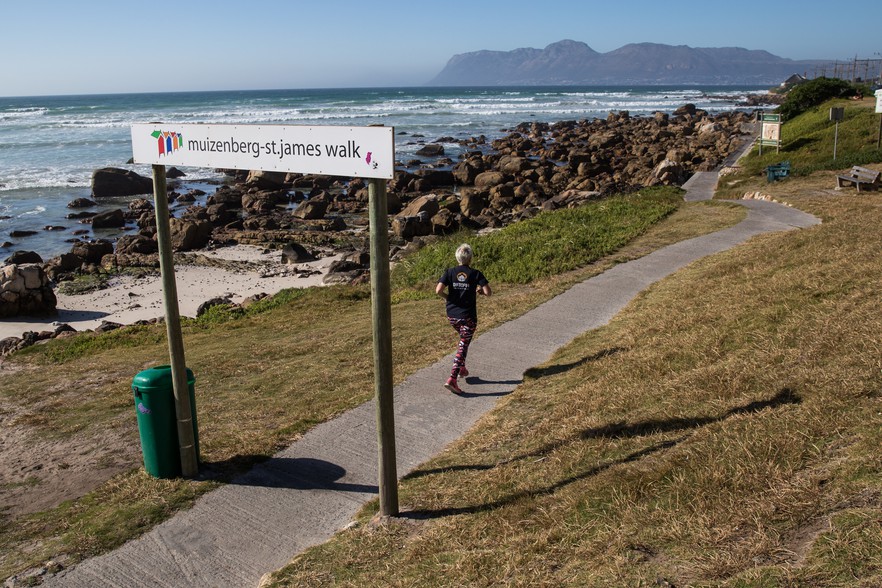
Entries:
{"x":157,"y":422}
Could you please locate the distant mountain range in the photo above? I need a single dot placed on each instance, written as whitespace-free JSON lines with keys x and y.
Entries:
{"x":575,"y":63}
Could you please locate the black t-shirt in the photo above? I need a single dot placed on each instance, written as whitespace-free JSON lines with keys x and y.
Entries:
{"x":462,"y":284}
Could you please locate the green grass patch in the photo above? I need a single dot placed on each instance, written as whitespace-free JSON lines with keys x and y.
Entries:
{"x":548,"y":244}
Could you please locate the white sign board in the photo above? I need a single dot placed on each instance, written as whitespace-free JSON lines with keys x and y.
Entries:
{"x":879,"y":101}
{"x":364,"y":152}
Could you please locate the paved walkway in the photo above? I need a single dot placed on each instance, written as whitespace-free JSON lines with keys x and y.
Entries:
{"x":306,"y":493}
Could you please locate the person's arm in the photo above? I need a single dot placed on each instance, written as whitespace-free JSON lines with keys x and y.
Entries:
{"x":484,"y":290}
{"x":439,"y":290}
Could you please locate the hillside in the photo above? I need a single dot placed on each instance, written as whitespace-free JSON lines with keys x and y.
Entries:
{"x":575,"y":63}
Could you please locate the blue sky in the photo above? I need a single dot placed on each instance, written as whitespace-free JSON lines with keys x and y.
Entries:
{"x":99,"y":46}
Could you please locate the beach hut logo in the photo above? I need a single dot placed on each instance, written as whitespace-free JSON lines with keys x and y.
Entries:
{"x":168,"y":141}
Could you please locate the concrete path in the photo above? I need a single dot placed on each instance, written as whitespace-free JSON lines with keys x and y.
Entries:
{"x":306,"y":493}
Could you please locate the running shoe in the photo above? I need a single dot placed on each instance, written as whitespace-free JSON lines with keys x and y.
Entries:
{"x":452,"y":386}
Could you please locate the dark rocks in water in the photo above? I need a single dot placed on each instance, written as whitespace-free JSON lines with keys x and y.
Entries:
{"x":20,"y":257}
{"x":174,"y":173}
{"x":112,"y":219}
{"x":80,"y":215}
{"x":53,"y":228}
{"x":18,"y":234}
{"x":431,"y":150}
{"x":112,"y":181}
{"x":81,"y":203}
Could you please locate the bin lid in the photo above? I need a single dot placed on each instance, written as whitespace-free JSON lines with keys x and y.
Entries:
{"x":158,"y":377}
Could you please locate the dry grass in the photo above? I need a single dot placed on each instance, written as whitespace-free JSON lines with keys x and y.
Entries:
{"x":260,"y":383}
{"x":723,"y":430}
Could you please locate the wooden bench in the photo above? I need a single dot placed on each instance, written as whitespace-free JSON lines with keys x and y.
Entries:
{"x":863,"y":178}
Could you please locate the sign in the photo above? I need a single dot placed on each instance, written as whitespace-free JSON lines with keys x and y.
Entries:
{"x":879,"y":101}
{"x":771,"y":134}
{"x":364,"y":152}
{"x":837,"y":114}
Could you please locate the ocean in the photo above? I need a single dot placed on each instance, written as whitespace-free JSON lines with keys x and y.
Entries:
{"x":49,"y":146}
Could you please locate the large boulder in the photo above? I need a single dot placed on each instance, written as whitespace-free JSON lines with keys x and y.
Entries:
{"x":112,"y":181}
{"x":188,"y":234}
{"x":25,"y":290}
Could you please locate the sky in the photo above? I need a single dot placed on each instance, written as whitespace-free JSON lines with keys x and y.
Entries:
{"x":50,"y":47}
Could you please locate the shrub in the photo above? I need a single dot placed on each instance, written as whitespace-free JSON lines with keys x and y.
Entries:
{"x":813,"y":93}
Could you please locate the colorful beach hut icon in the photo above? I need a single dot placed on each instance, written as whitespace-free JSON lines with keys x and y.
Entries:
{"x":168,"y":141}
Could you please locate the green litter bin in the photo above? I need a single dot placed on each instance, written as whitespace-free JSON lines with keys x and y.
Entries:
{"x":157,"y":422}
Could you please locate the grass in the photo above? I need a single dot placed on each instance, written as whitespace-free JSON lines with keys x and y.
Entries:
{"x":723,"y":430}
{"x":258,"y":384}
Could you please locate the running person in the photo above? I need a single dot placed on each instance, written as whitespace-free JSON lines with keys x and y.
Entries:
{"x":462,"y":283}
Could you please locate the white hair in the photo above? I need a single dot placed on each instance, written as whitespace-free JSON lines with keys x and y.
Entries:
{"x":464,"y":254}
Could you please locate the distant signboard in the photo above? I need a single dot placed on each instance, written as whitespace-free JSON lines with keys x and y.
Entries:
{"x":365,"y":152}
{"x":879,"y":101}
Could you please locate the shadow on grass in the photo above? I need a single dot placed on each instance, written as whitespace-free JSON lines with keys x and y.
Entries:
{"x":553,"y":370}
{"x":613,"y":431}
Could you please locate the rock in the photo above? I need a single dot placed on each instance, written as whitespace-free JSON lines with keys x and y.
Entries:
{"x":296,"y":253}
{"x":136,"y":244}
{"x":472,"y":203}
{"x":266,"y":180}
{"x":444,"y":223}
{"x":92,"y":251}
{"x":174,"y":173}
{"x":187,"y":234}
{"x":489,"y":179}
{"x":141,"y":205}
{"x":686,"y":109}
{"x":111,"y":181}
{"x":670,"y":173}
{"x":25,"y":290}
{"x":81,"y":203}
{"x":107,"y":326}
{"x":427,"y":204}
{"x":112,"y":219}
{"x":20,"y":233}
{"x":408,"y":227}
{"x":312,"y":209}
{"x":226,"y":300}
{"x":431,"y":150}
{"x":465,"y":172}
{"x":20,"y":257}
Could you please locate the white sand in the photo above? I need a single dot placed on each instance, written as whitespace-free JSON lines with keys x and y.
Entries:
{"x":130,"y":299}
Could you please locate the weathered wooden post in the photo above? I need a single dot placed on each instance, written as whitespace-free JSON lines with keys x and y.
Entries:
{"x":381,"y":309}
{"x":183,"y":410}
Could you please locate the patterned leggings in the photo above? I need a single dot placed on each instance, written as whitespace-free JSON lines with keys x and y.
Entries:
{"x":466,"y":329}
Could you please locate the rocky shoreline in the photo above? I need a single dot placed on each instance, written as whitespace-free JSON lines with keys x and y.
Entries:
{"x":534,"y":167}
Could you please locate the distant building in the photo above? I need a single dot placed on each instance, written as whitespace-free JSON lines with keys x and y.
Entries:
{"x":793,"y":80}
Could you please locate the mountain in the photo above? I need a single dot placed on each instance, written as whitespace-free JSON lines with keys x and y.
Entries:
{"x":575,"y":63}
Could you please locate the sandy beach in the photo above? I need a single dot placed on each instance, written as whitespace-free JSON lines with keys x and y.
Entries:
{"x":129,"y":299}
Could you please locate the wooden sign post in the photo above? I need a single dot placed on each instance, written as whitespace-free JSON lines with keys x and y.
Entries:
{"x":366,"y":152}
